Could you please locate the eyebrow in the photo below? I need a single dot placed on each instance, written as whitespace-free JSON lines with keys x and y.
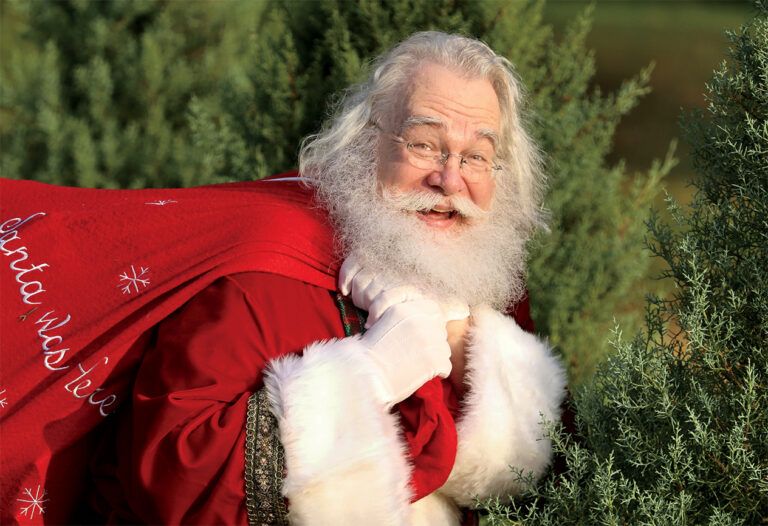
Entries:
{"x":423,"y":120}
{"x":487,"y":133}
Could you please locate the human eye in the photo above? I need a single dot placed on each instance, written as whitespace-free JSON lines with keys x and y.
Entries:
{"x":422,"y":146}
{"x":477,"y":159}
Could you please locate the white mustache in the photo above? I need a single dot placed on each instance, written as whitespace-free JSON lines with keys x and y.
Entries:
{"x":421,"y":201}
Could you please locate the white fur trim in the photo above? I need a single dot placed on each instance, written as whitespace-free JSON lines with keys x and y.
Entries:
{"x":433,"y":510}
{"x":515,"y":383}
{"x":345,"y":462}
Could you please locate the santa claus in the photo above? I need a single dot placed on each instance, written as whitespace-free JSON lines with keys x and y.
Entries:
{"x":397,"y":389}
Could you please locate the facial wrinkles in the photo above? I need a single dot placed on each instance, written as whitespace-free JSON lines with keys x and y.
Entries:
{"x":433,"y":129}
{"x":455,"y":106}
{"x":448,"y":102}
{"x":460,"y":129}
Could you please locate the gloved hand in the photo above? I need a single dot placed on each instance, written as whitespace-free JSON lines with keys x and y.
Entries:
{"x":375,"y":294}
{"x":408,"y":345}
{"x":406,"y":337}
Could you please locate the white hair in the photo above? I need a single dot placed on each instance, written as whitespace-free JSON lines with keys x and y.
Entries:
{"x":341,"y":160}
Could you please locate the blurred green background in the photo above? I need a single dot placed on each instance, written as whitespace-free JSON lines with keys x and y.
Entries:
{"x":134,"y":93}
{"x":684,"y":39}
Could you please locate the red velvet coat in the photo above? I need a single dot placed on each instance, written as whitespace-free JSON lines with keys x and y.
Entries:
{"x":171,"y":301}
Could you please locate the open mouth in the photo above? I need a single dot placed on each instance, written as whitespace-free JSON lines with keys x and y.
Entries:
{"x":439,"y":214}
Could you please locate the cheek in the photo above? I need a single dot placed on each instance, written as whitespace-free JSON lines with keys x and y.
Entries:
{"x":393,"y":172}
{"x":385,"y":172}
{"x":482,"y":194}
{"x":387,"y":165}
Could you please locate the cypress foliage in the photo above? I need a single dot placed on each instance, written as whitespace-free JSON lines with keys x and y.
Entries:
{"x":144,"y":93}
{"x":674,"y":427}
{"x":97,"y":93}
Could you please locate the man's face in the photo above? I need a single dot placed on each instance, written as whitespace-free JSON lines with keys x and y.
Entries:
{"x":450,"y":114}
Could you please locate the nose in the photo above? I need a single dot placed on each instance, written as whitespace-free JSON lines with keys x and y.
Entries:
{"x":448,"y":179}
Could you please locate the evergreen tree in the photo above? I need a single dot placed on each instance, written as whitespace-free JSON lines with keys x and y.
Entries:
{"x":674,"y":428}
{"x":97,"y":93}
{"x":583,"y":271}
{"x":130,"y":94}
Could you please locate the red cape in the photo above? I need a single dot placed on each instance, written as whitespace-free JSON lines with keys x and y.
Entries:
{"x":86,"y":272}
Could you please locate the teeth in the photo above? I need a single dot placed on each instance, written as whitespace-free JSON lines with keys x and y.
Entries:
{"x":449,"y":213}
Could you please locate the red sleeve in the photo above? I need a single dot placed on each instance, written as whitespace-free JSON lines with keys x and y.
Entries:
{"x":179,"y":453}
{"x":185,"y":429}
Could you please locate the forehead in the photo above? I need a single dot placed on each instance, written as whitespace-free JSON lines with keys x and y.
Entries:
{"x":464,"y":105}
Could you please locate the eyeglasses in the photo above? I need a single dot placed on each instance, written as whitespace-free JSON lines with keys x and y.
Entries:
{"x":424,"y":153}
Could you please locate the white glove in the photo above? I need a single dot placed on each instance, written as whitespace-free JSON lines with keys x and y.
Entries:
{"x":375,"y":294}
{"x":408,"y":345}
{"x":407,"y":337}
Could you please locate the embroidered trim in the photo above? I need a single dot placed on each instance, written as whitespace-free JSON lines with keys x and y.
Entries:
{"x":264,"y":465}
{"x":264,"y":454}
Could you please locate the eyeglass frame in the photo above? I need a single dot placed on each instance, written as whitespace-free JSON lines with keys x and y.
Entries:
{"x":441,"y":158}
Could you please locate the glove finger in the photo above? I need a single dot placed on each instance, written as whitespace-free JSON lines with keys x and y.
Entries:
{"x":359,"y":283}
{"x":348,"y":271}
{"x":387,"y":298}
{"x":375,"y":287}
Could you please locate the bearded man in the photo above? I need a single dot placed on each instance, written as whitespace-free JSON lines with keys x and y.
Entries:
{"x":405,"y":412}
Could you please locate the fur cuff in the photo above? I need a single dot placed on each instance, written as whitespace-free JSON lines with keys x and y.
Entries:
{"x":515,"y":385}
{"x":345,"y":462}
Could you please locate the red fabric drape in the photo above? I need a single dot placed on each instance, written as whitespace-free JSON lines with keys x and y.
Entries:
{"x":84,"y":275}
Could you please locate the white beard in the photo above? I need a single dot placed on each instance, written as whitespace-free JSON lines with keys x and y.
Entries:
{"x":478,"y":261}
{"x":468,"y":262}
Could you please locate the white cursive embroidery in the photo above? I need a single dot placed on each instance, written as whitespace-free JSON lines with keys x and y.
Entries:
{"x":52,"y":324}
{"x":10,"y":232}
{"x":81,"y":383}
{"x":51,"y":339}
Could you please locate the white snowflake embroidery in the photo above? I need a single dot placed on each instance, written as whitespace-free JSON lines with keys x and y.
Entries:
{"x":3,"y":400}
{"x":34,"y":503}
{"x":133,"y":279}
{"x":161,"y":202}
